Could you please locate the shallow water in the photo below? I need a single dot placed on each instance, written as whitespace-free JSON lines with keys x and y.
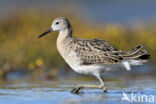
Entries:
{"x":57,"y":91}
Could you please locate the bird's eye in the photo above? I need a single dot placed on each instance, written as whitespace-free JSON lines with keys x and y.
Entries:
{"x":57,"y":23}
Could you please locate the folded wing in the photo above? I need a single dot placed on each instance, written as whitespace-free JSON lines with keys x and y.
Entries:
{"x":100,"y":52}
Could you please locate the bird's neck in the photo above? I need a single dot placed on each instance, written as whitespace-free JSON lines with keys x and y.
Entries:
{"x":64,"y":35}
{"x":63,"y":39}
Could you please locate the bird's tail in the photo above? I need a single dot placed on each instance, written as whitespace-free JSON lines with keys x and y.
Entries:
{"x":135,"y":56}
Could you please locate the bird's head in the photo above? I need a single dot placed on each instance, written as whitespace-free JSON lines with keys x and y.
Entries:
{"x":59,"y":24}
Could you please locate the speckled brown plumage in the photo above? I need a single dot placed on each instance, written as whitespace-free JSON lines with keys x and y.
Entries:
{"x":100,"y":52}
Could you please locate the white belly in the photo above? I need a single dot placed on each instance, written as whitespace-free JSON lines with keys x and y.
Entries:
{"x":87,"y":69}
{"x":76,"y":64}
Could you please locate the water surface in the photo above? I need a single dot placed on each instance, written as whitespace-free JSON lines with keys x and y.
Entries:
{"x":57,"y":91}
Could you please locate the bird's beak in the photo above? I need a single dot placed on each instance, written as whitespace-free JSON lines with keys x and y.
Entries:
{"x":46,"y":32}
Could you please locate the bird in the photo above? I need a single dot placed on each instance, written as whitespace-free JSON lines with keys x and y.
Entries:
{"x":92,"y":56}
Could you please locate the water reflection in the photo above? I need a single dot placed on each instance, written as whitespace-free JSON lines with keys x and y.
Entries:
{"x":58,"y":91}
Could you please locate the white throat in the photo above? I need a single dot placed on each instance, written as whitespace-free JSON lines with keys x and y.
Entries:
{"x":64,"y":34}
{"x":62,"y":40}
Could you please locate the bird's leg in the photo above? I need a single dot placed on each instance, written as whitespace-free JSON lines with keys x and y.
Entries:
{"x":101,"y":86}
{"x":102,"y":83}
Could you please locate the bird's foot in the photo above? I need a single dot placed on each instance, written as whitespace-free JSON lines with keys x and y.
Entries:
{"x":76,"y":90}
{"x":104,"y":89}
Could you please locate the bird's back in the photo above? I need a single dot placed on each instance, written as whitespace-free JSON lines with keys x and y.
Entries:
{"x":96,"y":51}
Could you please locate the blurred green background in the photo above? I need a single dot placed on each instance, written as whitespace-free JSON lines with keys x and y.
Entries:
{"x":123,"y":23}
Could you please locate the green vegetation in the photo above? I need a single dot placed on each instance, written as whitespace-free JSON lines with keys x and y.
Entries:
{"x":20,"y":47}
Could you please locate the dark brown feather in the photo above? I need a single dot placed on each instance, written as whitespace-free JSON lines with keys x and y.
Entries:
{"x":100,"y":52}
{"x":95,"y":51}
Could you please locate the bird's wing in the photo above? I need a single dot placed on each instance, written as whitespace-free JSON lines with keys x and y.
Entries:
{"x":95,"y":51}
